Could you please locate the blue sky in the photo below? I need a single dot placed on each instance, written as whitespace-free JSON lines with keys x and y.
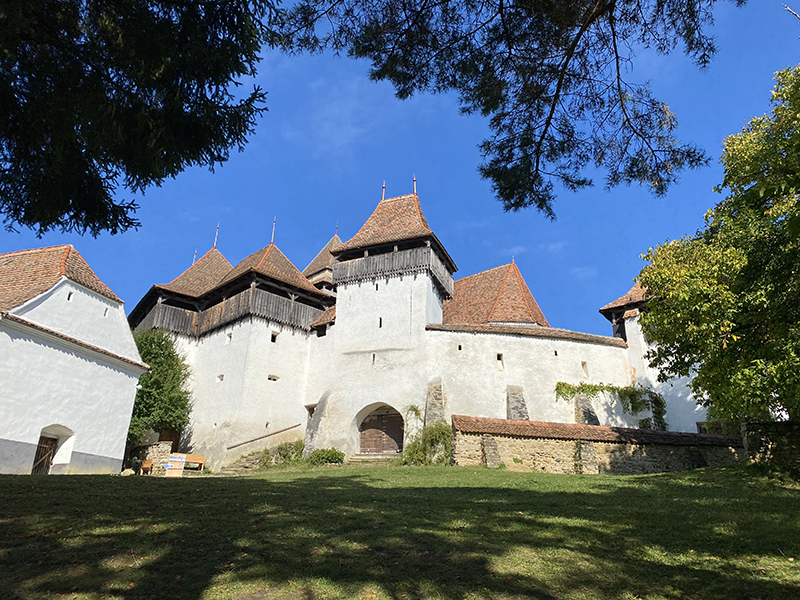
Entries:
{"x":332,"y":137}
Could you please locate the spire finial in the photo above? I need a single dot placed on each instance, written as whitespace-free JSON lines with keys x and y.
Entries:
{"x":383,"y":192}
{"x":337,"y":226}
{"x":194,"y":258}
{"x":272,"y":239}
{"x":415,"y":184}
{"x":216,"y":235}
{"x":512,"y":259}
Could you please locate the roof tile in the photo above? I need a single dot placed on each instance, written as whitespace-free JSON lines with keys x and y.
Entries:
{"x":202,"y":276}
{"x":323,"y":260}
{"x":499,"y":295}
{"x":393,"y":220}
{"x":634,"y":296}
{"x":271,"y":262}
{"x":27,"y":273}
{"x":528,"y":330}
{"x":589,"y":433}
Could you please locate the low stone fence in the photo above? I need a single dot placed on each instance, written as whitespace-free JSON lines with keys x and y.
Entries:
{"x":158,"y":452}
{"x":590,"y":449}
{"x":775,"y":443}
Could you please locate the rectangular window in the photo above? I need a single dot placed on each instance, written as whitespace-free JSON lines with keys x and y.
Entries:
{"x":273,"y":377}
{"x":274,"y":338}
{"x":500,"y":366}
{"x":585,"y":369}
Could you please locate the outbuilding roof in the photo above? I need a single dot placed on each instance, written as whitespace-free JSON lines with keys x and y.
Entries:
{"x":323,"y":260}
{"x":27,"y":273}
{"x":499,"y":295}
{"x":327,"y":316}
{"x":201,"y":277}
{"x":271,"y":262}
{"x":589,"y":433}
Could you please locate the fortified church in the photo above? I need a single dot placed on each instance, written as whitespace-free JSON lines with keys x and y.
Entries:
{"x":374,"y":339}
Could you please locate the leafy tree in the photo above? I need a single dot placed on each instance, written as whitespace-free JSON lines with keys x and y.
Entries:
{"x":725,"y":305}
{"x":162,"y":400}
{"x":97,"y":93}
{"x":550,"y":74}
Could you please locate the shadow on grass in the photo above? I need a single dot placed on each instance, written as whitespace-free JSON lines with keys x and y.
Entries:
{"x":400,"y":533}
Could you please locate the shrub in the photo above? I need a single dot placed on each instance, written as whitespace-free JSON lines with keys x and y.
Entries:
{"x":326,"y":456}
{"x":432,"y":446}
{"x":288,"y":453}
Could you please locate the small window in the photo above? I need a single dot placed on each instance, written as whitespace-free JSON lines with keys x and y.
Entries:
{"x":322,"y":331}
{"x":373,"y":359}
{"x":228,"y":338}
{"x":500,"y":366}
{"x":555,"y":352}
{"x":459,"y":347}
{"x":273,"y":377}
{"x":380,"y":322}
{"x":105,"y":312}
{"x":376,"y":287}
{"x":220,"y":378}
{"x":585,"y":369}
{"x":69,"y":296}
{"x":274,"y":338}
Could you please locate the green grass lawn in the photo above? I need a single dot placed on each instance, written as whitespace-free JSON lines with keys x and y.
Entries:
{"x":397,"y":532}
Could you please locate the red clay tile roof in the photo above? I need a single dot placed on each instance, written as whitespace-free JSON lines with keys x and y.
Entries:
{"x":201,"y":277}
{"x":67,"y":338}
{"x":589,"y":433}
{"x":27,"y":273}
{"x":530,"y":331}
{"x":394,"y":220}
{"x":323,"y":260}
{"x":499,"y":295}
{"x":272,"y":263}
{"x":634,"y":296}
{"x":328,"y":316}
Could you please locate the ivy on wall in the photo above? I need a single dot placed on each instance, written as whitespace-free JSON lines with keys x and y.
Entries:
{"x":634,"y":399}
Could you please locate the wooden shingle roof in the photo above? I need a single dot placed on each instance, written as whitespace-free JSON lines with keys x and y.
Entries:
{"x":393,"y":220}
{"x":589,"y":433}
{"x":201,"y":277}
{"x":499,"y":295}
{"x":323,"y":260}
{"x":271,"y":262}
{"x":27,"y":273}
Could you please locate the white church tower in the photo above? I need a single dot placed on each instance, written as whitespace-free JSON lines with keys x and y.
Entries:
{"x":391,"y":280}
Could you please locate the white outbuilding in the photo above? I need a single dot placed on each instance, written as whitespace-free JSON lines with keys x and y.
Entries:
{"x":68,"y":366}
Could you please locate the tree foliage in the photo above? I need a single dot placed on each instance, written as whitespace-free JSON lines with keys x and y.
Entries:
{"x":725,"y":305}
{"x":162,"y":400}
{"x":94,"y":94}
{"x":551,"y":75}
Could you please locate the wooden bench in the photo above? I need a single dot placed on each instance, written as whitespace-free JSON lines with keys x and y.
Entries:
{"x":147,"y":466}
{"x":196,"y":459}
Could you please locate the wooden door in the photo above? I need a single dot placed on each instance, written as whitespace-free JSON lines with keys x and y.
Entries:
{"x":382,"y":432}
{"x":45,"y":451}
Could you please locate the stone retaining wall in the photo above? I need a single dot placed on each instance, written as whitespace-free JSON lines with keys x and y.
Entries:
{"x":776,"y":443}
{"x":590,"y":456}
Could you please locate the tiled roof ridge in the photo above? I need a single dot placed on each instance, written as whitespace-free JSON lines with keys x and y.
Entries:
{"x":264,"y":256}
{"x":62,"y":268}
{"x":419,"y":212}
{"x":580,"y":431}
{"x":522,"y":287}
{"x":64,"y":259}
{"x":530,"y":330}
{"x":190,"y":267}
{"x":43,"y":248}
{"x":324,"y":259}
{"x":499,"y":293}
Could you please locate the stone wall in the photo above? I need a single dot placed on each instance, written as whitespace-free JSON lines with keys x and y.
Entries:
{"x":776,"y":443}
{"x":158,"y":453}
{"x":589,"y":456}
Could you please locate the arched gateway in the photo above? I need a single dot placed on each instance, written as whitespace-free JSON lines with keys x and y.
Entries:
{"x":381,"y":431}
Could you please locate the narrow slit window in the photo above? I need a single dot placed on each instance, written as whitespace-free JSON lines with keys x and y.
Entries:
{"x":228,"y":338}
{"x":274,"y":338}
{"x":459,"y":346}
{"x":585,"y":369}
{"x":500,"y":365}
{"x":373,"y":359}
{"x":105,"y":312}
{"x":380,"y":322}
{"x":69,"y":296}
{"x":555,"y":352}
{"x":376,"y":287}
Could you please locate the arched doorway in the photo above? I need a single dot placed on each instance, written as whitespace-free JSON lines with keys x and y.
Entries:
{"x":54,"y":450}
{"x":381,"y":431}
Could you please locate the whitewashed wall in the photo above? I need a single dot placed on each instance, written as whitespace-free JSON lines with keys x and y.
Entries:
{"x":50,"y":384}
{"x":78,"y":312}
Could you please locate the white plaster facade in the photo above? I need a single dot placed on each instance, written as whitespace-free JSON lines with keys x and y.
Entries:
{"x":68,"y":366}
{"x":387,"y":346}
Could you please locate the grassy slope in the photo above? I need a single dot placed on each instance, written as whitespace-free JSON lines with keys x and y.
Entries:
{"x":401,"y":533}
